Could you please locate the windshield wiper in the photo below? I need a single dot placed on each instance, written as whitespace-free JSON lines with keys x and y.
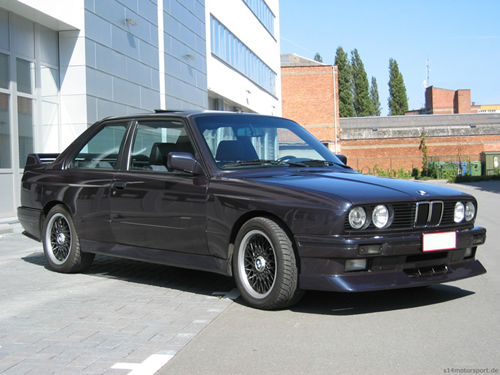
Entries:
{"x":263,"y":162}
{"x":323,"y":163}
{"x":304,"y":163}
{"x":253,"y":162}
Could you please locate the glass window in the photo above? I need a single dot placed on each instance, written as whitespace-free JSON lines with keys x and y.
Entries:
{"x":263,"y":13}
{"x":102,"y":150}
{"x":153,"y":141}
{"x":229,"y":48}
{"x":5,"y":161}
{"x":253,"y":142}
{"x":25,"y":126}
{"x":50,"y":83}
{"x":4,"y":71}
{"x":25,"y":76}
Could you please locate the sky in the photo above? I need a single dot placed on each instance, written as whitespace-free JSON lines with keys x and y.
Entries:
{"x":460,"y":39}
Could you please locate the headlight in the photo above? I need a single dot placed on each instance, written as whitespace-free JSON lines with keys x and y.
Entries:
{"x":380,"y":216}
{"x":357,"y":217}
{"x":470,"y":211}
{"x":459,"y":212}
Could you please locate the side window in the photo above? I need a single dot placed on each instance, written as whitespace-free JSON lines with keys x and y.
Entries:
{"x":153,"y":141}
{"x":102,"y":150}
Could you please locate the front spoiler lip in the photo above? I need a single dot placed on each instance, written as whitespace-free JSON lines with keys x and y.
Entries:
{"x":368,"y":281}
{"x":408,"y":243}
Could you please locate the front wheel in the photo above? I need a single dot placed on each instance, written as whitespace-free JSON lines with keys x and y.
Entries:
{"x":264,"y":265}
{"x":61,"y":244}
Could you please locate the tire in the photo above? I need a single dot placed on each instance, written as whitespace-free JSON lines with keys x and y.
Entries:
{"x":264,"y":265}
{"x":61,"y":244}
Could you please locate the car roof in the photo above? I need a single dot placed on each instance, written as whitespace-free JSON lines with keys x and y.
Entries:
{"x":182,"y":113}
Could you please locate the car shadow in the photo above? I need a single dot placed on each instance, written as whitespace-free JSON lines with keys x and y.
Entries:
{"x":313,"y":302}
{"x":180,"y":279}
{"x":488,"y":186}
{"x":345,"y":304}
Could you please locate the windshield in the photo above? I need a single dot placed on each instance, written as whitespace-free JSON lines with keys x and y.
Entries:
{"x":238,"y":141}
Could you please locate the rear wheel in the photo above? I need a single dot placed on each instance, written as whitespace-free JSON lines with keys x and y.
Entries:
{"x":264,"y":265}
{"x":61,"y":244}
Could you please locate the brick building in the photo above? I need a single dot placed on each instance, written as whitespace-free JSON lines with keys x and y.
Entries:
{"x":455,"y":129}
{"x":394,"y":142}
{"x":310,"y":97}
{"x":441,"y":101}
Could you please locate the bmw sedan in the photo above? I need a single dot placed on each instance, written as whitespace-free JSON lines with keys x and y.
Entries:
{"x":254,"y":197}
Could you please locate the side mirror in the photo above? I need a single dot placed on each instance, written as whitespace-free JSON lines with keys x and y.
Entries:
{"x":184,"y":161}
{"x":342,"y":158}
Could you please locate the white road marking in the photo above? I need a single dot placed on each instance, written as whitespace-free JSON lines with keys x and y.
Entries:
{"x":148,"y":367}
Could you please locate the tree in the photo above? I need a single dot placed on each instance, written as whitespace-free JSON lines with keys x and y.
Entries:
{"x":423,"y":147}
{"x":346,"y":108}
{"x":377,"y":109}
{"x":363,"y":105}
{"x":398,"y":101}
{"x":318,"y":58}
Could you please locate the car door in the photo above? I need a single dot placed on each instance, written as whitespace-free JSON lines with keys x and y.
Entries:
{"x":84,"y":186}
{"x":152,"y":206}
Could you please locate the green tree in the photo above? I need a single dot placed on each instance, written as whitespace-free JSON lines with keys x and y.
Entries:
{"x":346,"y":108}
{"x":377,"y":109}
{"x":425,"y":160}
{"x":363,"y":105}
{"x":398,"y":101}
{"x":318,"y":58}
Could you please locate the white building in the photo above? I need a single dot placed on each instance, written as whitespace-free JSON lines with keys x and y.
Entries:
{"x":240,"y":47}
{"x":66,"y":64}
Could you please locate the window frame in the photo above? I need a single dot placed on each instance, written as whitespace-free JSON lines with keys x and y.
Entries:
{"x":121,"y":148}
{"x":127,"y":159}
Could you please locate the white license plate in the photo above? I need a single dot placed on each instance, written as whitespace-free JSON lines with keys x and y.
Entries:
{"x":439,"y":241}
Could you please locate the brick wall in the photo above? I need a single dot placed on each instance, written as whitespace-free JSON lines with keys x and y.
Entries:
{"x":310,"y":98}
{"x":406,"y":153}
{"x":442,"y":101}
{"x":394,"y":142}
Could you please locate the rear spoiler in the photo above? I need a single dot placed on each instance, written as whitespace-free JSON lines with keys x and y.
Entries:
{"x":40,"y":159}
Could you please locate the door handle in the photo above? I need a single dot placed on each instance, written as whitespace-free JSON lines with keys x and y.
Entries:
{"x":119,"y":185}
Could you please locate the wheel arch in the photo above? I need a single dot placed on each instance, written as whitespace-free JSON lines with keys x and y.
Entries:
{"x":49,"y":206}
{"x":260,"y":213}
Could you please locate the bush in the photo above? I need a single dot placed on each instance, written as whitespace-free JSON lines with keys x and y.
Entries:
{"x":393,"y":173}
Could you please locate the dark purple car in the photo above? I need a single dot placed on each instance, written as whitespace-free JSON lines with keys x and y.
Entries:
{"x":250,"y":196}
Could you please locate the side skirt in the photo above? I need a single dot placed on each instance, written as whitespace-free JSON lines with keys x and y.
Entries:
{"x":168,"y":258}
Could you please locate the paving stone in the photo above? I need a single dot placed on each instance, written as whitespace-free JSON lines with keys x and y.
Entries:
{"x":118,"y":311}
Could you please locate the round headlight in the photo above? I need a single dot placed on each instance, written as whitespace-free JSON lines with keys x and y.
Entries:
{"x":470,"y":211}
{"x":380,"y":216}
{"x":459,"y":212}
{"x":357,"y":217}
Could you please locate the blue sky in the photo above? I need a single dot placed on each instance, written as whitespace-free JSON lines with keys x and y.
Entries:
{"x":461,"y":40}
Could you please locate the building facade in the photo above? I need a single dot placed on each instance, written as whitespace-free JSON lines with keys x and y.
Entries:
{"x":66,"y":64}
{"x":394,"y":142}
{"x":243,"y":60}
{"x":441,"y":101}
{"x":459,"y":132}
{"x":310,"y":97}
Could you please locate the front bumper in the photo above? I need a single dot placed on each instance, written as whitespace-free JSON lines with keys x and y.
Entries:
{"x":401,"y":262}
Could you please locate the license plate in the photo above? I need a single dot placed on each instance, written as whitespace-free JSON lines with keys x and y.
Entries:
{"x":439,"y":241}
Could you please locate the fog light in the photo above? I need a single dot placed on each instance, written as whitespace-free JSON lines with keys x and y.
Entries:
{"x":355,"y":265}
{"x":370,"y":249}
{"x":469,"y":252}
{"x":478,"y":239}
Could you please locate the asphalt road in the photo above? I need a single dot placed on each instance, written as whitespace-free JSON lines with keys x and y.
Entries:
{"x":444,"y":329}
{"x":131,"y":318}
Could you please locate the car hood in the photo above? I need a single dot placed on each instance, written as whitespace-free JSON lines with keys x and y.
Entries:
{"x":359,"y":188}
